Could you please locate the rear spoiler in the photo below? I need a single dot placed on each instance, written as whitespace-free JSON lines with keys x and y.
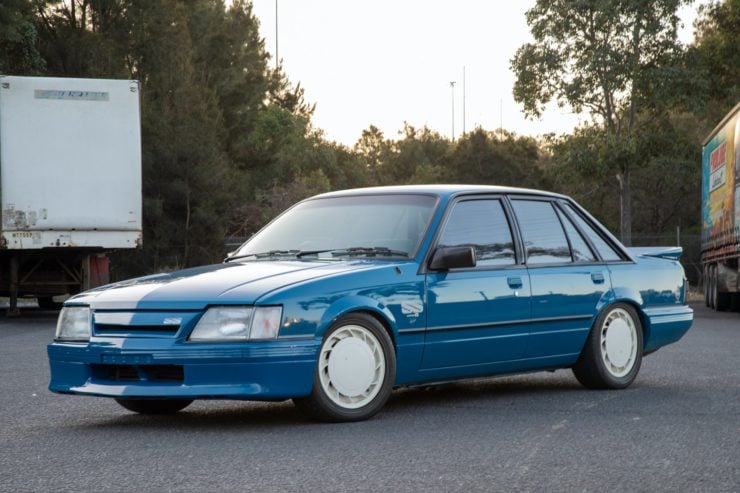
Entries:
{"x":670,"y":253}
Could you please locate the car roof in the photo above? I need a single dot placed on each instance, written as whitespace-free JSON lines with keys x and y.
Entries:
{"x":438,"y":190}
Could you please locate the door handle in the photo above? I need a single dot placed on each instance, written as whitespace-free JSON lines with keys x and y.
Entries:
{"x":597,"y":277}
{"x":514,"y":282}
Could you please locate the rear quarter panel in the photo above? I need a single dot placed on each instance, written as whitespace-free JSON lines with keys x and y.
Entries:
{"x":656,"y":288}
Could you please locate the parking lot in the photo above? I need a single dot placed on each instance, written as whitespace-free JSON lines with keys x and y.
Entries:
{"x":677,"y":428}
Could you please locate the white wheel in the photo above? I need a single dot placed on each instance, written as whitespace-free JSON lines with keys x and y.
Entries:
{"x":612,"y":355}
{"x":351,"y":367}
{"x":618,"y":342}
{"x":355,"y":371}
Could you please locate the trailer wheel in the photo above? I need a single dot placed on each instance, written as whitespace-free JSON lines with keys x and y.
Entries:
{"x":707,"y":287}
{"x":48,"y":303}
{"x":719,"y":301}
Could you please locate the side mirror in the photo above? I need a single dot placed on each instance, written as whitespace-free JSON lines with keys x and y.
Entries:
{"x":455,"y":257}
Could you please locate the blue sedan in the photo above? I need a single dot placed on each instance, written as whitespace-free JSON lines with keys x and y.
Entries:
{"x":349,"y":294}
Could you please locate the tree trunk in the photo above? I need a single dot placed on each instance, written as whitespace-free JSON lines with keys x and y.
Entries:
{"x":625,"y":207}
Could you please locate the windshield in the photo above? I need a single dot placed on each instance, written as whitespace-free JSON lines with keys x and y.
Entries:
{"x":372,"y":225}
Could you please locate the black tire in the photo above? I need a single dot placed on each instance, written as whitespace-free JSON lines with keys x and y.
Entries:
{"x":322,"y":406}
{"x":48,"y":303}
{"x":592,"y":369}
{"x":712,"y":287}
{"x":707,"y":290}
{"x":154,"y":406}
{"x":735,"y":302}
{"x":720,"y":301}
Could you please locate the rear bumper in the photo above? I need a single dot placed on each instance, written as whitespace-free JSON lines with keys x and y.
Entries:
{"x":667,"y":325}
{"x":248,"y":371}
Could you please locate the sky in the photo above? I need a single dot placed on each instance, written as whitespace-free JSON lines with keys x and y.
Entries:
{"x":386,"y":62}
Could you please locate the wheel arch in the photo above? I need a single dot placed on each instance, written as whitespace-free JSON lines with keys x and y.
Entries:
{"x":627,"y":300}
{"x":359,"y":304}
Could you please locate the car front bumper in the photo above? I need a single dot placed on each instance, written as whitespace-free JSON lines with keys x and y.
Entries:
{"x":151,"y":368}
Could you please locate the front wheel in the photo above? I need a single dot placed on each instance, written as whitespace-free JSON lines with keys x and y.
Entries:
{"x":355,"y":371}
{"x":154,"y":406}
{"x":613,"y":351}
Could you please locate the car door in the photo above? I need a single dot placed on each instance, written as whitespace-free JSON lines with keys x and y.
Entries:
{"x":568,"y":279}
{"x":475,"y":314}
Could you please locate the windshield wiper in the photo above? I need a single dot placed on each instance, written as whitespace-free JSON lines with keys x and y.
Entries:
{"x":271,"y":253}
{"x":336,"y":252}
{"x":370,"y":252}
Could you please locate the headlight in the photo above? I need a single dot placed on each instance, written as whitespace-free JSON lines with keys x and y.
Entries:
{"x":73,"y":324}
{"x":225,"y":323}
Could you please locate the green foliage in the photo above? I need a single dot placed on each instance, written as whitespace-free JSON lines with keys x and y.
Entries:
{"x":19,"y":39}
{"x":612,"y":58}
{"x":715,"y":56}
{"x":483,"y":157}
{"x":666,"y":172}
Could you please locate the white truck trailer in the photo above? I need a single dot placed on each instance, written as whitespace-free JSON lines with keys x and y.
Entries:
{"x":70,"y":183}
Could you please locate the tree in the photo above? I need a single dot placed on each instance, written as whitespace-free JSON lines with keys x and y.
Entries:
{"x":19,"y":39}
{"x":607,"y":57}
{"x":375,"y":151}
{"x":80,"y":38}
{"x":419,"y":157}
{"x":483,"y":157}
{"x":715,"y":55}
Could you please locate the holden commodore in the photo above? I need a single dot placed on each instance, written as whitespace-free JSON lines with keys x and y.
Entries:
{"x":349,"y":294}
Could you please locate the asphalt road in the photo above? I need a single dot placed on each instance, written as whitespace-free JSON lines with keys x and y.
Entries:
{"x":677,"y":428}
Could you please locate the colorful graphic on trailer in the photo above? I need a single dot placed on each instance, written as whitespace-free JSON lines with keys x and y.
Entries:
{"x":721,"y":184}
{"x":737,"y":176}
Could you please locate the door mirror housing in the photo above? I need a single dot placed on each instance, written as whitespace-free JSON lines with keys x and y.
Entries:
{"x":455,"y":257}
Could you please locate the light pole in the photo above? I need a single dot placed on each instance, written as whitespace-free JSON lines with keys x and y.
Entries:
{"x":463,"y":132}
{"x":452,"y":94}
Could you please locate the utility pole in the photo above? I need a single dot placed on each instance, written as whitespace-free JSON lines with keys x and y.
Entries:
{"x":452,"y":93}
{"x":277,"y":53}
{"x":463,"y":101}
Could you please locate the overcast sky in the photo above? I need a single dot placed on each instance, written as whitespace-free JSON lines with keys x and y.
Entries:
{"x":383,"y":62}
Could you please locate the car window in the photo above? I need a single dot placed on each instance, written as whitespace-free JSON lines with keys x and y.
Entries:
{"x":578,"y":246}
{"x":544,"y":238}
{"x":604,"y":249}
{"x":483,"y":225}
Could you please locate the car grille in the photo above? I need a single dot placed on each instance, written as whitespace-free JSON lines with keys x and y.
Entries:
{"x":139,"y":373}
{"x":112,"y":328}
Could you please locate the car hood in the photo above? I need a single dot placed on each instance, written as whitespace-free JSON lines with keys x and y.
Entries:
{"x":238,"y":282}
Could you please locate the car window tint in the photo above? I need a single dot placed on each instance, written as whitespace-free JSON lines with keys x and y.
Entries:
{"x":604,"y":249}
{"x":483,"y":225}
{"x":544,"y":238}
{"x":578,"y":246}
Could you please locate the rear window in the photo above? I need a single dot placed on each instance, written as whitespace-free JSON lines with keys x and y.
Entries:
{"x":544,"y":238}
{"x":606,"y":251}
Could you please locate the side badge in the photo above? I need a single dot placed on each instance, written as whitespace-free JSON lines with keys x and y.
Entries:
{"x":412,"y":308}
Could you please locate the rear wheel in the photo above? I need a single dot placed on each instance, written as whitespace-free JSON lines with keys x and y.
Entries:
{"x":154,"y":406}
{"x":707,"y":285}
{"x":719,"y":301}
{"x":613,"y":351}
{"x":48,"y":303}
{"x":355,"y":371}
